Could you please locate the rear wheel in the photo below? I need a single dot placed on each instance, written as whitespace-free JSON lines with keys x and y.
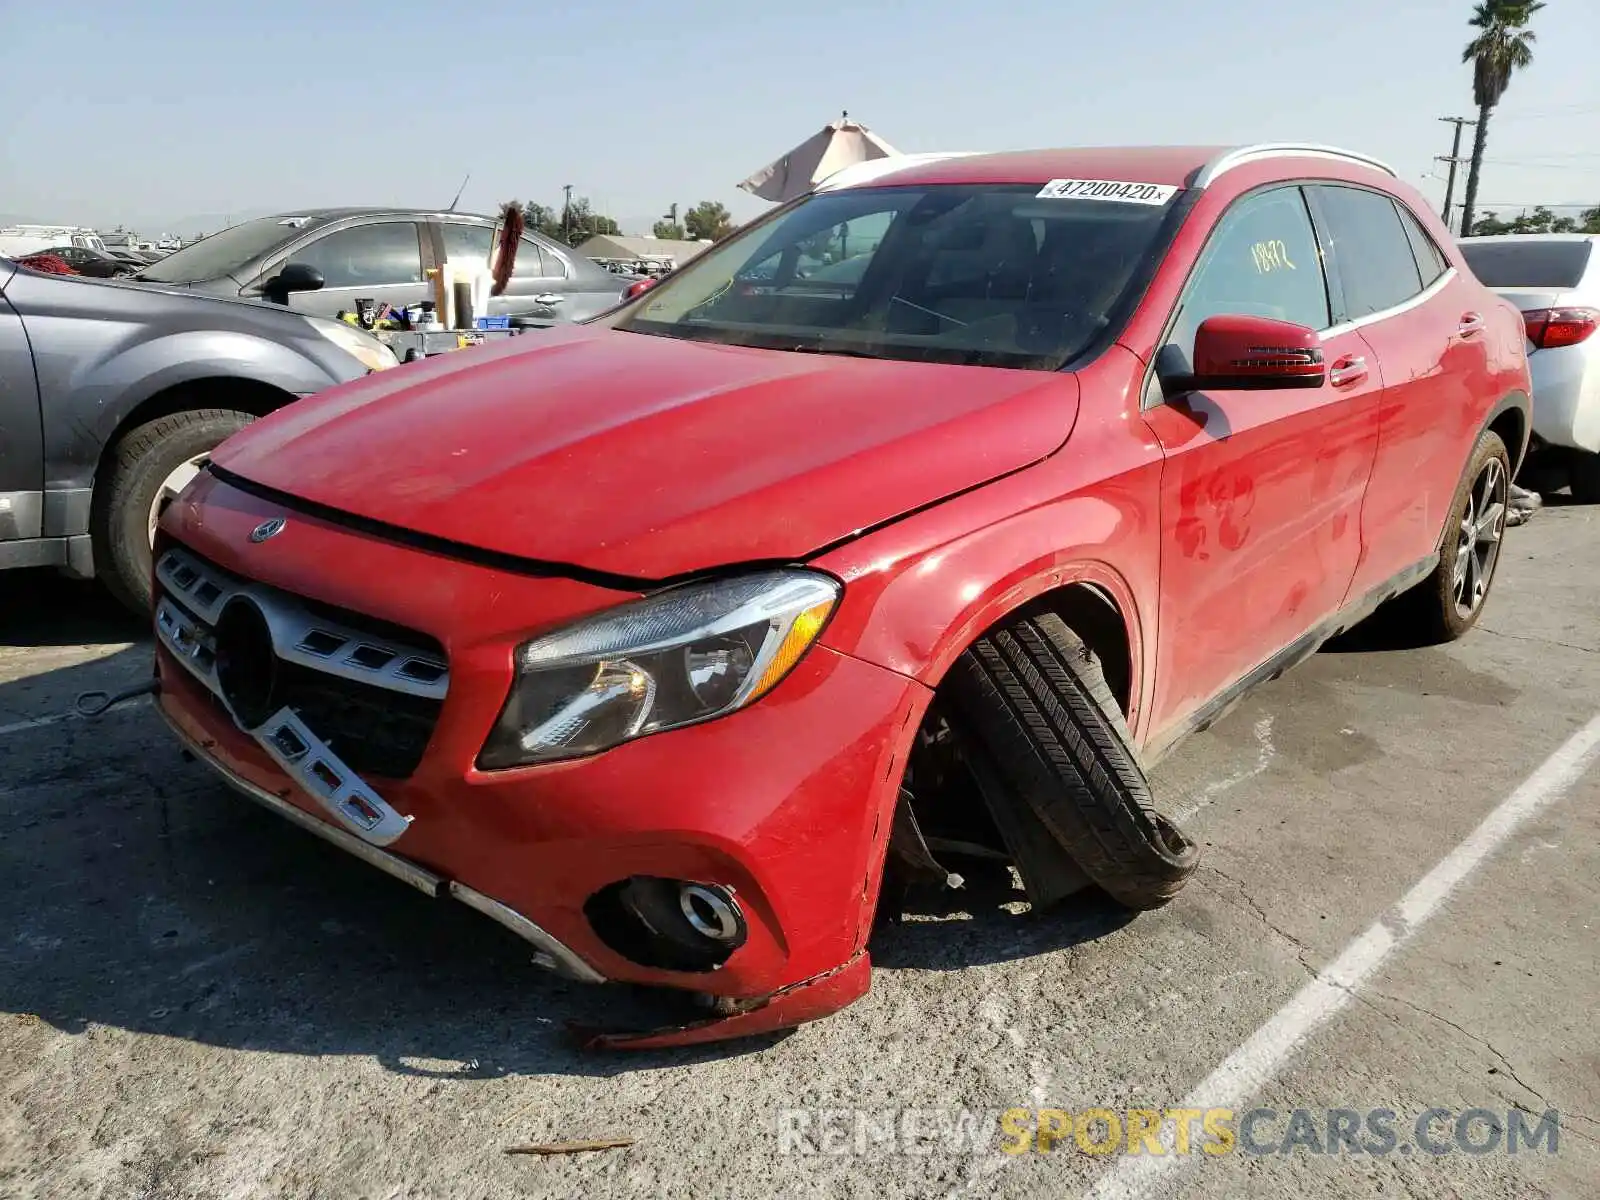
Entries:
{"x":1449,"y":601}
{"x":147,"y":468}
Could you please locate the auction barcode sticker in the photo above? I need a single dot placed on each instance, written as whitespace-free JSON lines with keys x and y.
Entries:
{"x":1107,"y":189}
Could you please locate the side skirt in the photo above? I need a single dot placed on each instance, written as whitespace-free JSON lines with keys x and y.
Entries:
{"x":1213,"y":710}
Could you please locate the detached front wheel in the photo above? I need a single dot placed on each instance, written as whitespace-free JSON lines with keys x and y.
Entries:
{"x":149,"y":465}
{"x":1034,"y":696}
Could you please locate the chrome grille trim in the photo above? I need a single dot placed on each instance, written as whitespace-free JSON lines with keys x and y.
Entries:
{"x":307,"y":759}
{"x":298,"y":635}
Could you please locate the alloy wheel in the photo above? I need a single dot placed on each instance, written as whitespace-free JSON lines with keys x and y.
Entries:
{"x":1483,"y":526}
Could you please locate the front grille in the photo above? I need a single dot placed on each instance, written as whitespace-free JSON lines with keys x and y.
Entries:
{"x":377,"y":732}
{"x":370,"y":689}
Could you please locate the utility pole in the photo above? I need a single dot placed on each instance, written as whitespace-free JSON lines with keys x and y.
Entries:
{"x":1454,"y":160}
{"x":566,"y":214}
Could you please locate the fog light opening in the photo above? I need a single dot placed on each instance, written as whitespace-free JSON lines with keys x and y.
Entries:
{"x":673,"y":924}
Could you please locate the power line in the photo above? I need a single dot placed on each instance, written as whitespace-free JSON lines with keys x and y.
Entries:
{"x":1563,"y":111}
{"x":1541,"y":166}
{"x":1557,"y":154}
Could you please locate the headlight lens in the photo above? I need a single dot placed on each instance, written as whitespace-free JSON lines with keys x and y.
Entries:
{"x":366,"y":349}
{"x":672,"y":659}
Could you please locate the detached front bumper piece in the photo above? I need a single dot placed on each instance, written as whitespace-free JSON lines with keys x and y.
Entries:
{"x":737,"y":860}
{"x":548,"y":952}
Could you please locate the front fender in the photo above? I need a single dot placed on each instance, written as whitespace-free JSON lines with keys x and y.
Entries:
{"x":919,"y":592}
{"x":119,"y":383}
{"x":101,"y":391}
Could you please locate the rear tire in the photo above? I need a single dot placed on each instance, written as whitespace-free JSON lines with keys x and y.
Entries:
{"x":1583,"y":475}
{"x":137,"y":472}
{"x":1034,"y":695}
{"x":1449,"y":602}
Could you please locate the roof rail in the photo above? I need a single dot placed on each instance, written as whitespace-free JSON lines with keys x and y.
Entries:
{"x":857,"y":174}
{"x":1241,"y":155}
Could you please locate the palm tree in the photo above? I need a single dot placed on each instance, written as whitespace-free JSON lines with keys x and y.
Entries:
{"x":1504,"y":45}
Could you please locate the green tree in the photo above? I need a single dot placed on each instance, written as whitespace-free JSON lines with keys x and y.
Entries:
{"x":708,"y":219}
{"x":1503,"y":46}
{"x":1589,"y":220}
{"x":572,"y":224}
{"x":669,"y":226}
{"x":1540,"y":220}
{"x":541,"y":218}
{"x":579,"y":223}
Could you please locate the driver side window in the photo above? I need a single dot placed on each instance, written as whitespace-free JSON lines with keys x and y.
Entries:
{"x":1262,"y":261}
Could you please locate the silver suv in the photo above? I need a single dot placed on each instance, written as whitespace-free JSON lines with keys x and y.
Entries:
{"x":112,"y":397}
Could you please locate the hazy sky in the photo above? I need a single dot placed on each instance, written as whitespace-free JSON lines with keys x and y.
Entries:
{"x":160,"y":111}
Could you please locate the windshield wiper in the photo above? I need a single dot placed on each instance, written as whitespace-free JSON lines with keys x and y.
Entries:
{"x":842,"y":352}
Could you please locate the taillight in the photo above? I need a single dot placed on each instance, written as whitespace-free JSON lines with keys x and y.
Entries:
{"x":1552,"y":328}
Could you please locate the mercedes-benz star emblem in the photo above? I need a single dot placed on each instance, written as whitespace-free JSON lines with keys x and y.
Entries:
{"x":267,"y":529}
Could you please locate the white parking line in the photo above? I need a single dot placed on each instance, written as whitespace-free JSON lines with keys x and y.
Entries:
{"x":57,"y":718}
{"x":1248,"y":1068}
{"x":36,"y":723}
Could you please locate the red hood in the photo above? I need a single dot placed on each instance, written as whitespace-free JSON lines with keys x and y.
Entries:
{"x":649,"y":456}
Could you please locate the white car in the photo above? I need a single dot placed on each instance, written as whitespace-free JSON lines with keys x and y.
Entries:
{"x":1554,"y":278}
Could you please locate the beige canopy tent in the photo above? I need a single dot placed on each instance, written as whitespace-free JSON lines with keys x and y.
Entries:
{"x":842,"y":143}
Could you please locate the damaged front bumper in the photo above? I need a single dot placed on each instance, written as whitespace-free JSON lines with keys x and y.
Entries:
{"x":784,"y":808}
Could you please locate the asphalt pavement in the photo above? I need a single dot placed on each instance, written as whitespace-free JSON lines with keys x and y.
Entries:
{"x":1397,"y":911}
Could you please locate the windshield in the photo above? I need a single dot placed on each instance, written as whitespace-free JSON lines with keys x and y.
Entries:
{"x":1527,"y":264}
{"x":986,"y":275}
{"x":224,"y":252}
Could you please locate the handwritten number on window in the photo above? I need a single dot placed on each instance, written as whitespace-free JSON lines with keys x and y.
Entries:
{"x":1271,"y":256}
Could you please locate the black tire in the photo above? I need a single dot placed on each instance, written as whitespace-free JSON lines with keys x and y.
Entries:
{"x":137,"y":466}
{"x":1583,"y":476}
{"x":1034,"y":695}
{"x":1429,"y":611}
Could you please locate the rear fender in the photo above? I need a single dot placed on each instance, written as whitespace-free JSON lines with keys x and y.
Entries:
{"x":1511,"y":402}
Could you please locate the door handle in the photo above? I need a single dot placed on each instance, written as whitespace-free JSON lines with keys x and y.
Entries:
{"x":547,"y":298}
{"x":1470,"y":324}
{"x":1349,"y":369}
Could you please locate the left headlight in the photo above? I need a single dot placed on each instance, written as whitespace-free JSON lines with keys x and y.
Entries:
{"x":681,"y":656}
{"x":363,"y":347}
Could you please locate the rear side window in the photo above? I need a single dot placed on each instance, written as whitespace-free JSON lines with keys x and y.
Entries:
{"x":1261,"y":261}
{"x":1430,"y":261}
{"x":1528,"y":263}
{"x":535,"y":262}
{"x":1370,"y":248}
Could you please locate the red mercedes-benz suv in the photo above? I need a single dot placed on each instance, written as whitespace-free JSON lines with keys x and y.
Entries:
{"x":902,"y":525}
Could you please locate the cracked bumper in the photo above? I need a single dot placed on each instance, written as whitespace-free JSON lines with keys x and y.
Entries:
{"x":788,"y":803}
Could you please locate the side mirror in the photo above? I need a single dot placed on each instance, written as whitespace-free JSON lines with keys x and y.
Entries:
{"x":637,"y":288}
{"x":1238,"y":353}
{"x":293,"y":277}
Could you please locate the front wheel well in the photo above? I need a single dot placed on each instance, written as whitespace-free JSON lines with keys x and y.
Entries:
{"x":952,"y":807}
{"x":1091,"y":613}
{"x":241,"y":395}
